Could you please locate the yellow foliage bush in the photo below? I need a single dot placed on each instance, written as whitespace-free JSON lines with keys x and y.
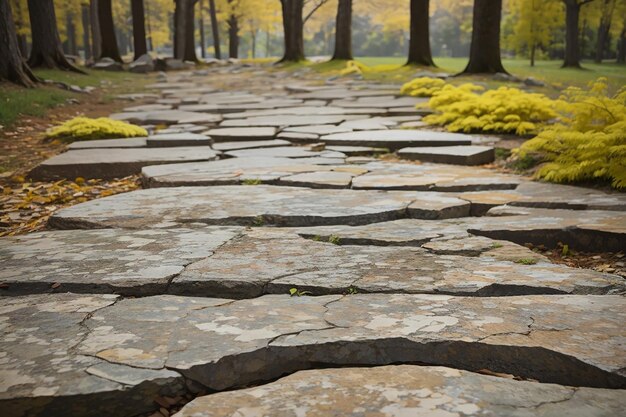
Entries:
{"x":422,"y":87}
{"x":353,"y":67}
{"x":84,"y":128}
{"x":504,"y":110}
{"x":590,"y":143}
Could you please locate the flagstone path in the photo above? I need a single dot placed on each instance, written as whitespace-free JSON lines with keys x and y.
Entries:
{"x":274,"y":257}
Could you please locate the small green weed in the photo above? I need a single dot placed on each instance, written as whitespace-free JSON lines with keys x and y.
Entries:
{"x":526,"y":261}
{"x":251,"y":181}
{"x":294,"y":292}
{"x":334,"y":239}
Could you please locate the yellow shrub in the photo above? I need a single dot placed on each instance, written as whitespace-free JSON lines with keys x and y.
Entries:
{"x":422,"y":87}
{"x":590,"y":144}
{"x":353,"y":67}
{"x":84,"y":128}
{"x":505,"y":110}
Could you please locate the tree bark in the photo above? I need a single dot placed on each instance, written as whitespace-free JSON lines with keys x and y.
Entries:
{"x":572,"y":45}
{"x":533,"y":49}
{"x":180,"y":14}
{"x":71,"y":34}
{"x":22,"y":41}
{"x":12,"y":65}
{"x":139,"y":28}
{"x":343,"y":31}
{"x":233,"y":35}
{"x":85,"y":21}
{"x":419,"y":41}
{"x":202,"y":38}
{"x":485,"y":47}
{"x":96,"y":38}
{"x":621,"y":48}
{"x":46,"y":51}
{"x":190,"y":40}
{"x":215,"y":30}
{"x":293,"y":26}
{"x":603,"y":29}
{"x":108,"y":45}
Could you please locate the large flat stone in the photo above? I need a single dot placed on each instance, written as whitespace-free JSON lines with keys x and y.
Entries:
{"x":406,"y":390}
{"x":286,"y":120}
{"x":284,"y":152}
{"x":115,"y":163}
{"x":273,"y":262}
{"x":167,"y":117}
{"x":456,"y":155}
{"x":319,"y":179}
{"x":254,"y":205}
{"x":62,"y":351}
{"x":109,"y":143}
{"x":242,"y":133}
{"x":238,"y":145}
{"x":104,"y":261}
{"x":318,"y":129}
{"x":381,"y":101}
{"x":396,"y":139}
{"x":178,"y":139}
{"x":308,"y":110}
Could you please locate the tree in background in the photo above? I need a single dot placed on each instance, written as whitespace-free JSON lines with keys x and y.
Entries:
{"x":485,"y":48}
{"x":21,"y":24}
{"x":572,"y":40}
{"x":343,"y":31}
{"x":108,"y":40}
{"x":86,"y":29}
{"x":419,"y":40}
{"x":608,"y":9}
{"x":139,"y":28}
{"x":12,"y":65}
{"x":233,"y":28}
{"x":215,"y":30}
{"x":96,"y":39}
{"x":184,"y":30}
{"x":46,"y":50}
{"x":293,"y":27}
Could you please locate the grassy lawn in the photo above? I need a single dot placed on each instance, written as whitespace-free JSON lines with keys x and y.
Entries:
{"x":17,"y":101}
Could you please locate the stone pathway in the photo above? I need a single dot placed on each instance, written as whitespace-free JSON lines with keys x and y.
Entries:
{"x":271,"y":255}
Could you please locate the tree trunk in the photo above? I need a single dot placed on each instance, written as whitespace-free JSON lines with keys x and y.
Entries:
{"x":108,"y":43}
{"x":12,"y":65}
{"x":215,"y":30}
{"x":419,"y":41}
{"x":22,"y":41}
{"x":572,"y":45}
{"x":71,"y":34}
{"x":139,"y":28}
{"x":190,"y":39}
{"x":621,"y":48}
{"x":233,"y":36}
{"x":202,"y":39}
{"x":180,"y":15}
{"x":343,"y":31}
{"x":96,"y":38}
{"x":46,"y":51}
{"x":603,"y":29}
{"x":485,"y":48}
{"x":533,"y":49}
{"x":85,"y":20}
{"x":293,"y":27}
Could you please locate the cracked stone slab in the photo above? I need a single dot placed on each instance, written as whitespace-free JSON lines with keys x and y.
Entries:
{"x":168,"y":140}
{"x":273,"y":262}
{"x":238,"y":145}
{"x":284,"y":152}
{"x":60,"y":351}
{"x":104,"y":261}
{"x":456,"y":155}
{"x":324,"y":179}
{"x":306,"y":111}
{"x":115,"y":163}
{"x":286,"y":120}
{"x":242,"y":133}
{"x":396,"y":139}
{"x":318,"y":129}
{"x":254,"y":205}
{"x":381,"y":101}
{"x":357,"y":150}
{"x":167,"y":117}
{"x":342,"y":93}
{"x":406,"y":390}
{"x":109,"y":143}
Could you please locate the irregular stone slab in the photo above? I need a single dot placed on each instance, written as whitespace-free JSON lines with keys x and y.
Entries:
{"x":149,"y":107}
{"x":167,"y":117}
{"x":405,"y":390}
{"x":178,"y":139}
{"x":373,"y":123}
{"x":109,"y":143}
{"x":104,"y":261}
{"x":306,"y":111}
{"x":396,"y":139}
{"x":270,"y":262}
{"x":242,"y":133}
{"x":299,"y":137}
{"x":318,"y":129}
{"x":457,"y":155}
{"x":284,"y":152}
{"x":234,"y":146}
{"x":341,"y":93}
{"x":545,"y":195}
{"x":328,"y":179}
{"x":287,"y":120}
{"x":381,"y":101}
{"x":253,"y":205}
{"x":357,"y":150}
{"x":115,"y":163}
{"x":402,"y":176}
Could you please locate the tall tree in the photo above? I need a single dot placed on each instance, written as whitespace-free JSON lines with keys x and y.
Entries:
{"x":293,"y":26}
{"x":47,"y":50}
{"x":139,"y":28}
{"x":190,"y":39}
{"x":485,"y":48}
{"x":215,"y":29}
{"x":21,"y":29}
{"x":572,"y":40}
{"x":12,"y":65}
{"x":96,"y":38}
{"x":608,"y":8}
{"x":419,"y":41}
{"x":233,"y":31}
{"x":70,"y":27}
{"x":108,"y":41}
{"x":621,"y":45}
{"x":343,"y":31}
{"x":201,"y":27}
{"x":86,"y":29}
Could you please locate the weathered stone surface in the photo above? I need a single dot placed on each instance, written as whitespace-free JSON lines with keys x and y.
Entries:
{"x":341,"y":93}
{"x":109,"y":143}
{"x":406,"y":390}
{"x":149,"y":107}
{"x":458,"y":155}
{"x":396,"y":139}
{"x":326,"y":179}
{"x":306,"y":111}
{"x":115,"y":163}
{"x":178,"y":139}
{"x":318,"y":129}
{"x":273,"y":262}
{"x":287,"y":120}
{"x":253,"y":205}
{"x":297,"y":137}
{"x":104,"y":261}
{"x":242,"y":133}
{"x":382,"y":101}
{"x":357,"y":150}
{"x":284,"y":152}
{"x":167,"y":117}
{"x":237,"y":145}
